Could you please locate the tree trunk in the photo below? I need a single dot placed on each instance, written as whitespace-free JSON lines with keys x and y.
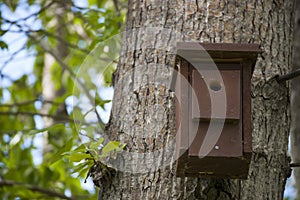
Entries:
{"x":295,"y":101}
{"x":50,"y":92}
{"x":143,"y":105}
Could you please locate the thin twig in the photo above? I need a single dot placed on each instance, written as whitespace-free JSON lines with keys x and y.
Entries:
{"x":60,"y":39}
{"x":36,"y":131}
{"x":61,"y":118}
{"x":33,"y":114}
{"x":35,"y":188}
{"x":12,"y":56}
{"x":116,"y":4}
{"x":17,"y":104}
{"x":29,"y":16}
{"x":295,"y":165}
{"x":20,"y":58}
{"x":46,"y":33}
{"x":25,"y":103}
{"x":16,"y":22}
{"x":10,"y":132}
{"x":4,"y":76}
{"x":47,"y":49}
{"x":88,"y":8}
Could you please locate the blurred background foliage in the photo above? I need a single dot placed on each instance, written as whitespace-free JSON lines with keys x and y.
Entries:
{"x":42,"y":46}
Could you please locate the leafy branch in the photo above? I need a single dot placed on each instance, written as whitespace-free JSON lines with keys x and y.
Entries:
{"x":91,"y":154}
{"x":44,"y":8}
{"x":25,"y":103}
{"x":35,"y":188}
{"x":60,"y":39}
{"x":47,"y":49}
{"x":55,"y":117}
{"x":28,"y":30}
{"x":41,"y":30}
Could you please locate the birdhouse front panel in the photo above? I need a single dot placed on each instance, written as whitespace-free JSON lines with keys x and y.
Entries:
{"x":210,"y":88}
{"x":213,"y":109}
{"x":206,"y":89}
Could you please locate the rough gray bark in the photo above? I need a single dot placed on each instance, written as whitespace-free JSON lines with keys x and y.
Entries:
{"x":295,"y":101}
{"x":143,"y":112}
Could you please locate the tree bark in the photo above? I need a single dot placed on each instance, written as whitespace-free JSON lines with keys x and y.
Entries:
{"x":143,"y":106}
{"x":295,"y":99}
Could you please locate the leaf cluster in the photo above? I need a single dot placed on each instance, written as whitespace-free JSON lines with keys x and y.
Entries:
{"x":51,"y":162}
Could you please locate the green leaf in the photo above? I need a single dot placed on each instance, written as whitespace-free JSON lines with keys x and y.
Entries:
{"x":77,"y":114}
{"x":100,"y":3}
{"x":95,"y":145}
{"x":11,"y":4}
{"x":107,"y":74}
{"x":83,"y":172}
{"x":92,"y":2}
{"x":3,"y":45}
{"x":30,"y":2}
{"x":77,"y":157}
{"x":36,"y":131}
{"x":122,"y":146}
{"x":90,"y":131}
{"x":2,"y":32}
{"x":79,"y":167}
{"x":100,"y":102}
{"x":94,"y":153}
{"x":110,"y":146}
{"x":56,"y":128}
{"x":16,"y":139}
{"x":59,"y":154}
{"x":81,"y":148}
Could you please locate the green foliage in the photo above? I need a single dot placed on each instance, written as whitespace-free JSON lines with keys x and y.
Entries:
{"x":3,"y":45}
{"x":11,"y":4}
{"x":28,"y":168}
{"x":89,"y":153}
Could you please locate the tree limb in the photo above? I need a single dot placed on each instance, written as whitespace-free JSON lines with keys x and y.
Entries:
{"x":25,"y":103}
{"x":60,"y":118}
{"x":35,"y":188}
{"x":33,"y":113}
{"x":116,"y":4}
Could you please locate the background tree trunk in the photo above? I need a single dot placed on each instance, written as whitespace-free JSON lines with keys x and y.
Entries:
{"x":50,"y":90}
{"x":143,"y":112}
{"x":295,"y":101}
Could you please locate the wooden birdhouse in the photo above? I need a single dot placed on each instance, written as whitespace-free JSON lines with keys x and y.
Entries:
{"x":213,"y":109}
